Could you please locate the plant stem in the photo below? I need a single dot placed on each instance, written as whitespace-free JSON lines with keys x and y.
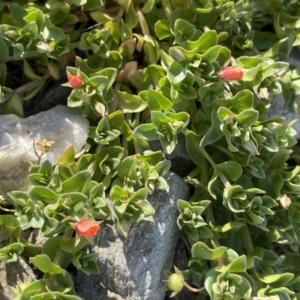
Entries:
{"x":24,"y":88}
{"x":7,"y":209}
{"x":167,"y":8}
{"x":210,"y":218}
{"x":143,"y":23}
{"x":192,"y":110}
{"x":206,"y":155}
{"x":215,"y":242}
{"x":59,"y":255}
{"x":221,"y":175}
{"x":192,"y":289}
{"x":136,"y":120}
{"x":247,"y":238}
{"x":114,"y":104}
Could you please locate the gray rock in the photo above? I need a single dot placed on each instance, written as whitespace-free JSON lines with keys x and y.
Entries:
{"x":133,"y":268}
{"x":53,"y":96}
{"x":10,"y":273}
{"x":182,"y":164}
{"x":18,"y":135}
{"x":294,"y":58}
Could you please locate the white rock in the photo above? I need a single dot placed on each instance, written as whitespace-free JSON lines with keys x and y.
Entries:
{"x":19,"y":135}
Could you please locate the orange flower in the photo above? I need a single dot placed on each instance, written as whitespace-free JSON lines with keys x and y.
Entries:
{"x":86,"y":228}
{"x":75,"y":81}
{"x":228,"y":74}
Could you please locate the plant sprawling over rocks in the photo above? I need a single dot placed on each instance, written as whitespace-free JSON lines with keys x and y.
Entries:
{"x":147,"y":70}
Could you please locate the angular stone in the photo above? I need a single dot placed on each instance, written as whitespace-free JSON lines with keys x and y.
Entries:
{"x":133,"y":268}
{"x":18,"y":135}
{"x":9,"y":274}
{"x":53,"y":96}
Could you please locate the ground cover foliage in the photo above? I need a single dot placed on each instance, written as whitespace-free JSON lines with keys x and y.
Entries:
{"x":148,"y":70}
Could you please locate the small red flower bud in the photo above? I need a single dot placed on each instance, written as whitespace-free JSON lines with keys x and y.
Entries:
{"x":228,"y":74}
{"x":75,"y":81}
{"x":87,"y":228}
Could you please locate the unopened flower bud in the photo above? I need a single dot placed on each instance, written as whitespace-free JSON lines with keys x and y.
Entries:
{"x":228,"y":74}
{"x":75,"y":81}
{"x":176,"y":283}
{"x":176,"y":54}
{"x":285,"y":201}
{"x":11,"y":33}
{"x":43,"y":47}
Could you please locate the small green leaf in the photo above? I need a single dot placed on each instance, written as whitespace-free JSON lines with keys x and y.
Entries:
{"x":18,"y":13}
{"x":34,"y":289}
{"x":148,"y":6}
{"x":43,"y":193}
{"x":239,"y":265}
{"x":247,"y":117}
{"x":146,"y":132}
{"x":76,"y":183}
{"x":192,"y":141}
{"x":130,"y":103}
{"x":183,"y":31}
{"x":68,"y":157}
{"x":11,"y":252}
{"x":211,"y":54}
{"x":207,"y":40}
{"x":156,"y":101}
{"x":279,"y":279}
{"x":202,"y":251}
{"x":232,"y":170}
{"x":44,"y":264}
{"x":162,"y":29}
{"x":234,"y":225}
{"x":176,"y":72}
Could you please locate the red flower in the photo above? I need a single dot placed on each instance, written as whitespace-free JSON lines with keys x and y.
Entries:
{"x":86,"y":228}
{"x":228,"y":74}
{"x":75,"y":81}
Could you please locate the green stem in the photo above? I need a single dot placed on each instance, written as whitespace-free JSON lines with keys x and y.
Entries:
{"x":136,"y":120}
{"x":24,"y":88}
{"x":192,"y":289}
{"x":247,"y":238}
{"x":210,"y":218}
{"x":167,"y":8}
{"x":207,"y":155}
{"x":215,"y":242}
{"x":136,"y":145}
{"x":120,"y":15}
{"x":94,"y":165}
{"x":114,"y":104}
{"x":124,"y":143}
{"x":143,"y":22}
{"x":221,"y":175}
{"x":59,"y":255}
{"x":7,"y":209}
{"x":192,"y":110}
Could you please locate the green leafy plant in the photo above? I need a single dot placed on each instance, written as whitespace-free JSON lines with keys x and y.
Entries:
{"x":146,"y":71}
